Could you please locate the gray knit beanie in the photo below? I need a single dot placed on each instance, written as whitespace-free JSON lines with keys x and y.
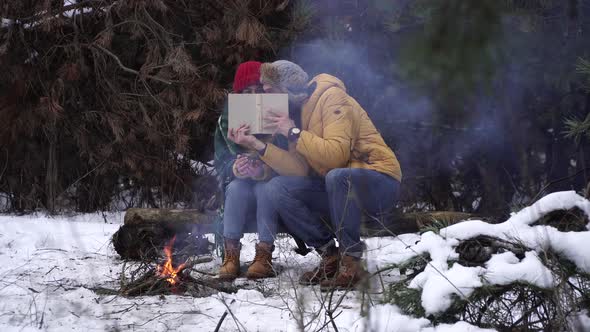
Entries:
{"x":288,"y":76}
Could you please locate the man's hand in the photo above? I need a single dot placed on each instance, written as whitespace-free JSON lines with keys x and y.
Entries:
{"x":282,"y":122}
{"x":242,"y":136}
{"x":248,"y":167}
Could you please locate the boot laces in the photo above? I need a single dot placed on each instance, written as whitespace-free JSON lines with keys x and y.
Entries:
{"x":229,"y":256}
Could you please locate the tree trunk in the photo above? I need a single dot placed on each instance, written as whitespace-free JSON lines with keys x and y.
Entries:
{"x":146,"y":231}
{"x":51,"y":176}
{"x":167,"y":216}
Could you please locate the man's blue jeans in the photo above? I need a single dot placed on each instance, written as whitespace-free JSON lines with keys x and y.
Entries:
{"x":344,"y":195}
{"x":247,"y":201}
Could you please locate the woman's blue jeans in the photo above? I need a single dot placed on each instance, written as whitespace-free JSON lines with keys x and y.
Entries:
{"x":247,"y":201}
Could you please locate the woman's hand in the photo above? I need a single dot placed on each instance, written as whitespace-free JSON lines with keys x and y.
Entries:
{"x":282,"y":122}
{"x":249,"y":167}
{"x":242,"y":136}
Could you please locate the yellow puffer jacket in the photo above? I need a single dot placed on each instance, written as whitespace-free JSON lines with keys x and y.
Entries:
{"x":288,"y":163}
{"x":337,"y":132}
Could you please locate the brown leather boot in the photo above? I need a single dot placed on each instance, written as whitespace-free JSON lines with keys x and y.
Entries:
{"x":261,"y":267}
{"x":230,"y":269}
{"x":326,"y":270}
{"x":349,"y":275}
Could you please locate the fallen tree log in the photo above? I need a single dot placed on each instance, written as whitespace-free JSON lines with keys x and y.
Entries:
{"x":400,"y":223}
{"x":171,"y":217}
{"x":146,"y":231}
{"x":391,"y":224}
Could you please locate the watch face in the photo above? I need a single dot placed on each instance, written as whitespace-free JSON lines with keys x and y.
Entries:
{"x":296,"y":131}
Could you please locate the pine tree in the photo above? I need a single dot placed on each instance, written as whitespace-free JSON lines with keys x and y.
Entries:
{"x":110,"y":100}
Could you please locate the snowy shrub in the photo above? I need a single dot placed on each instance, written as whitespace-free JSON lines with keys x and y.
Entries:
{"x":520,"y":274}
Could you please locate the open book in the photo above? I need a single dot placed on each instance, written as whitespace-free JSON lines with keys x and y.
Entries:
{"x":251,"y":109}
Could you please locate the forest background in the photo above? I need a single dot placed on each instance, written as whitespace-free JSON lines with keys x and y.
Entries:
{"x":106,"y":105}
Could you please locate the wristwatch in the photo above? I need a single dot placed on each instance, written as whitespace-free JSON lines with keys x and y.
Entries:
{"x":293,"y":134}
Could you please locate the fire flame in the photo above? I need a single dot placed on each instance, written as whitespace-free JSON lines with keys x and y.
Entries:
{"x":167,"y":270}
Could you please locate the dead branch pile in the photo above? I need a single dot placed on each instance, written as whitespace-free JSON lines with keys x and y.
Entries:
{"x":143,"y":279}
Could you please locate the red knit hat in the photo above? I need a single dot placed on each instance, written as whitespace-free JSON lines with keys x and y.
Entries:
{"x":248,"y":73}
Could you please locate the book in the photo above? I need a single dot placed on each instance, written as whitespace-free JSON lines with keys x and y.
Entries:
{"x":252,"y":109}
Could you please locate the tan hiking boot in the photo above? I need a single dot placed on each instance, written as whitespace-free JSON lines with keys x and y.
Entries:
{"x":349,"y":275}
{"x":326,"y":270}
{"x":230,"y":268}
{"x":261,"y":267}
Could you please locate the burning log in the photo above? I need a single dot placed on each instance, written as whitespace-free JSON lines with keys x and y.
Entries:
{"x":146,"y":231}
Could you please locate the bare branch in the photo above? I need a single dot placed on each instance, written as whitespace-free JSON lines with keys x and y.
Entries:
{"x":127,"y":69}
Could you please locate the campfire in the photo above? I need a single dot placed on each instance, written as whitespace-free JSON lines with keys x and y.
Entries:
{"x":167,"y":270}
{"x":167,"y":277}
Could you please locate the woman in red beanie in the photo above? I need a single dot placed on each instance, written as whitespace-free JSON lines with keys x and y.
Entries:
{"x":243,"y":180}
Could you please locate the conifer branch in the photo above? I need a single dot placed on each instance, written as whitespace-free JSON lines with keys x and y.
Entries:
{"x":127,"y":69}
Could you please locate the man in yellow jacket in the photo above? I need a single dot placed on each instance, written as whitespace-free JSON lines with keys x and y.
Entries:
{"x":352,"y":171}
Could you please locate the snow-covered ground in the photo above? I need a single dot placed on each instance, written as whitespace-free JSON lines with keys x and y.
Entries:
{"x":48,"y":266}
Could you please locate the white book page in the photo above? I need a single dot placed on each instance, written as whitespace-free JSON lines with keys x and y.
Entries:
{"x":243,"y":110}
{"x":251,"y":109}
{"x":278,"y":103}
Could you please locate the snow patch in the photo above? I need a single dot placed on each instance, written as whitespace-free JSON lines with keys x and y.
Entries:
{"x":439,"y":284}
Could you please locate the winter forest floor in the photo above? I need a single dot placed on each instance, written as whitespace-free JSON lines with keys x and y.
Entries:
{"x":50,"y":267}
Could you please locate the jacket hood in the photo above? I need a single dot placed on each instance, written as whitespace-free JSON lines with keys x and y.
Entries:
{"x":324,"y":82}
{"x":320,"y":84}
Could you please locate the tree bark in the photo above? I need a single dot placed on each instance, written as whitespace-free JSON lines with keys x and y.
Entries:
{"x":167,"y":216}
